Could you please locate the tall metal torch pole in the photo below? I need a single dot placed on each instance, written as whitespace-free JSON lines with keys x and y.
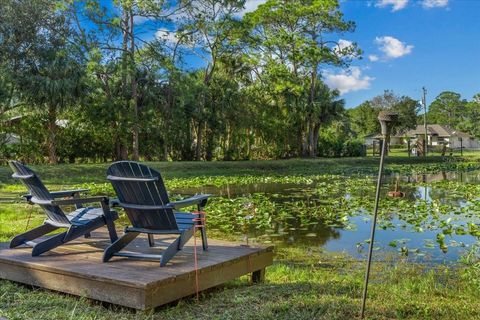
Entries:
{"x":387,"y":119}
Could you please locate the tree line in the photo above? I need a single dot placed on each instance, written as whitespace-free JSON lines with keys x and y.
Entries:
{"x":178,"y":80}
{"x":90,"y":82}
{"x":448,"y":108}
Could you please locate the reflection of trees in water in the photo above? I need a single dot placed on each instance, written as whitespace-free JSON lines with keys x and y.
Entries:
{"x":459,"y":176}
{"x":236,"y":190}
{"x":298,"y":232}
{"x":349,"y":195}
{"x":445,"y":196}
{"x":427,"y":193}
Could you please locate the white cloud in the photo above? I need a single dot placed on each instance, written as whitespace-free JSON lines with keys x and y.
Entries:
{"x":140,"y":20}
{"x":342,"y":45}
{"x":348,"y":80}
{"x":396,"y":4}
{"x":167,"y":35}
{"x":434,"y":3}
{"x":373,"y":57}
{"x":392,"y":47}
{"x":251,"y":5}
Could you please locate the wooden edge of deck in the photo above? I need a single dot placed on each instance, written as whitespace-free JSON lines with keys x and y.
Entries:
{"x":259,"y":251}
{"x":131,"y":294}
{"x":74,"y":284}
{"x":65,"y":272}
{"x":158,"y":294}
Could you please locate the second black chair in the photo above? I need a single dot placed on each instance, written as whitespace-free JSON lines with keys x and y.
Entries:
{"x":141,"y":192}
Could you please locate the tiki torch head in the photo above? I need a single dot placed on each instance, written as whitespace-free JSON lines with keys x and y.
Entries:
{"x":387,"y":120}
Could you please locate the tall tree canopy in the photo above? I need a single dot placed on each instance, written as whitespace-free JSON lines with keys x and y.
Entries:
{"x":97,"y":80}
{"x":448,"y":108}
{"x":288,"y":42}
{"x":364,"y":118}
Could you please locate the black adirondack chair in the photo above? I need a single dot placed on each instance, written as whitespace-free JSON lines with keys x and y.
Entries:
{"x":78,"y":223}
{"x":141,"y":192}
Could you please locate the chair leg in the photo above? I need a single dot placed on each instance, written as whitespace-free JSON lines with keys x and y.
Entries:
{"x":204,"y":238}
{"x":48,"y":244}
{"x":151,"y":240}
{"x":170,"y":252}
{"x":203,"y":230}
{"x":184,"y":237}
{"x":31,"y":235}
{"x":175,"y":246}
{"x":112,"y":232}
{"x":119,"y":244}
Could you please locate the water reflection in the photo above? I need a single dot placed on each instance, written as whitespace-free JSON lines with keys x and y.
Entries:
{"x":234,"y":190}
{"x":415,"y":238}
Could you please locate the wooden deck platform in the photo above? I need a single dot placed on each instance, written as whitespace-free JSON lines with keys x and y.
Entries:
{"x":76,"y":268}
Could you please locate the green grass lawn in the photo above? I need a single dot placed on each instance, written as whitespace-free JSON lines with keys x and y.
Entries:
{"x":66,"y":174}
{"x":303,"y":283}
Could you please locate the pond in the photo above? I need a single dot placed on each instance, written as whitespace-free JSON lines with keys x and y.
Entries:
{"x":438,"y":220}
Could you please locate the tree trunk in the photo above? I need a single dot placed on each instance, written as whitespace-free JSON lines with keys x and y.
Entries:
{"x":52,"y":131}
{"x":312,"y":145}
{"x":316,"y":130}
{"x":303,"y":137}
{"x":134,"y":100}
{"x":165,"y":152}
{"x":312,"y":142}
{"x":198,"y":146}
{"x":249,"y":138}
{"x":120,"y":147}
{"x":209,"y":145}
{"x":201,"y":123}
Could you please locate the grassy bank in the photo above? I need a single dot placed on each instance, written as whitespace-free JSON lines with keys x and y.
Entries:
{"x":220,"y":172}
{"x":303,"y":283}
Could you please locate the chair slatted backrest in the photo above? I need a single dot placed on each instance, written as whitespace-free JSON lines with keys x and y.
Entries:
{"x":145,"y":187}
{"x":38,"y":190}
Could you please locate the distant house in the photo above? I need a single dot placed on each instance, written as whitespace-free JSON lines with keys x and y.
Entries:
{"x":394,"y":139}
{"x":437,"y":135}
{"x":11,"y":136}
{"x":444,"y":135}
{"x":369,"y":140}
{"x":63,"y":123}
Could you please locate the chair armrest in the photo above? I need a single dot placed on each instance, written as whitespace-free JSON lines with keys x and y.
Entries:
{"x":63,"y":202}
{"x":133,"y":179}
{"x":142,"y":207}
{"x":22,"y":176}
{"x":67,"y":193}
{"x":34,"y":200}
{"x":199,"y":199}
{"x":58,"y":194}
{"x":109,"y":215}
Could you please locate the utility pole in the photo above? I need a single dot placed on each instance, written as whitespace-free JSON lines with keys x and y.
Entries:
{"x":424,"y":102}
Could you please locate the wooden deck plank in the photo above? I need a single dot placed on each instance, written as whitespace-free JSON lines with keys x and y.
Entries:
{"x":76,"y":268}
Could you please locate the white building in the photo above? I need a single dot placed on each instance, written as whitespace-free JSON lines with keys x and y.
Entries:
{"x":394,"y":139}
{"x":443,"y":135}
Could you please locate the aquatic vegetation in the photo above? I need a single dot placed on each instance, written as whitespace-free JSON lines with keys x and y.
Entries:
{"x":289,"y":204}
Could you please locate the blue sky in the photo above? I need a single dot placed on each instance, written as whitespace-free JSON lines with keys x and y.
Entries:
{"x":433,"y":43}
{"x":407,"y":44}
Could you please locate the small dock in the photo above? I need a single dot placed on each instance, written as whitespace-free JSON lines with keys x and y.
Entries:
{"x":76,"y":268}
